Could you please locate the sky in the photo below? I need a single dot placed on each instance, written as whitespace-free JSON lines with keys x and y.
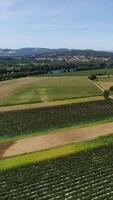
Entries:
{"x":73,"y":24}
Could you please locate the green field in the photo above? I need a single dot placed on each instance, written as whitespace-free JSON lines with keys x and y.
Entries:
{"x":45,"y":89}
{"x":81,"y":175}
{"x":72,"y":172}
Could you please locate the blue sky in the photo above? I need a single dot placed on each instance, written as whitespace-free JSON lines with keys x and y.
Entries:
{"x":79,"y":24}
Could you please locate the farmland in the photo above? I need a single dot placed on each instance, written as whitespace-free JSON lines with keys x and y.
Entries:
{"x":56,"y":138}
{"x":38,"y":156}
{"x":83,"y":175}
{"x":45,"y":89}
{"x":56,"y":102}
{"x":106,"y":82}
{"x":35,"y":106}
{"x":106,"y":78}
{"x":21,"y":122}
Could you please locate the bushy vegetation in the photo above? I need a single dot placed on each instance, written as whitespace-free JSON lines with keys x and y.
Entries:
{"x":111,"y":88}
{"x":41,"y":119}
{"x":86,"y":175}
{"x":92,"y":77}
{"x":23,"y":67}
{"x":106,"y":94}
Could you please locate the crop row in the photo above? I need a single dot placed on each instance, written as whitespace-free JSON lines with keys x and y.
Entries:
{"x":41,"y":119}
{"x":86,"y":175}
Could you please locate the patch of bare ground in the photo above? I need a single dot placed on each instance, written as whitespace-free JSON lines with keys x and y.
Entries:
{"x":4,"y":146}
{"x":38,"y":143}
{"x":105,"y":85}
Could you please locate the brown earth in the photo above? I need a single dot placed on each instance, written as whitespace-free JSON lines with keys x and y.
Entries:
{"x":106,"y":85}
{"x":38,"y":143}
{"x":4,"y":146}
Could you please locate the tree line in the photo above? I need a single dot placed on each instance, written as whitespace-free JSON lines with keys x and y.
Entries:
{"x":16,"y":68}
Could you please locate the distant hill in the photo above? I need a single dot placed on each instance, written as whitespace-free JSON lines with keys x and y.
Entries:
{"x":45,"y":52}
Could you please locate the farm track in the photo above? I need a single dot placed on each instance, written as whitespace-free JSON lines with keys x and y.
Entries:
{"x":38,"y":143}
{"x":47,"y":104}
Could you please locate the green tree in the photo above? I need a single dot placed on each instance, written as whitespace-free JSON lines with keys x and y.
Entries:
{"x":92,"y":77}
{"x":111,"y":88}
{"x":106,"y":94}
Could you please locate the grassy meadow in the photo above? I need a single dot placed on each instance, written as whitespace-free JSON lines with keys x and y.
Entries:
{"x":46,"y":89}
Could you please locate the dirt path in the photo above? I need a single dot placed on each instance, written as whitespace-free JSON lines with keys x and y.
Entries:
{"x":38,"y":143}
{"x":98,"y":85}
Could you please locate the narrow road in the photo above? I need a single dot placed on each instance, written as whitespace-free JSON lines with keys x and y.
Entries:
{"x":38,"y":143}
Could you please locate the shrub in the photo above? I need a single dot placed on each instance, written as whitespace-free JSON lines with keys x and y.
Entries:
{"x":106,"y":94}
{"x":92,"y":77}
{"x":111,"y":88}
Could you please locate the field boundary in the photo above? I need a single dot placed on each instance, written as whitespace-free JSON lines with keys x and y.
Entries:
{"x":50,"y":103}
{"x":97,"y":84}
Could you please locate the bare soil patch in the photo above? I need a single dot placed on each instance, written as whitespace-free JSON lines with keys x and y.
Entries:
{"x":38,"y":143}
{"x":106,"y":85}
{"x":4,"y":146}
